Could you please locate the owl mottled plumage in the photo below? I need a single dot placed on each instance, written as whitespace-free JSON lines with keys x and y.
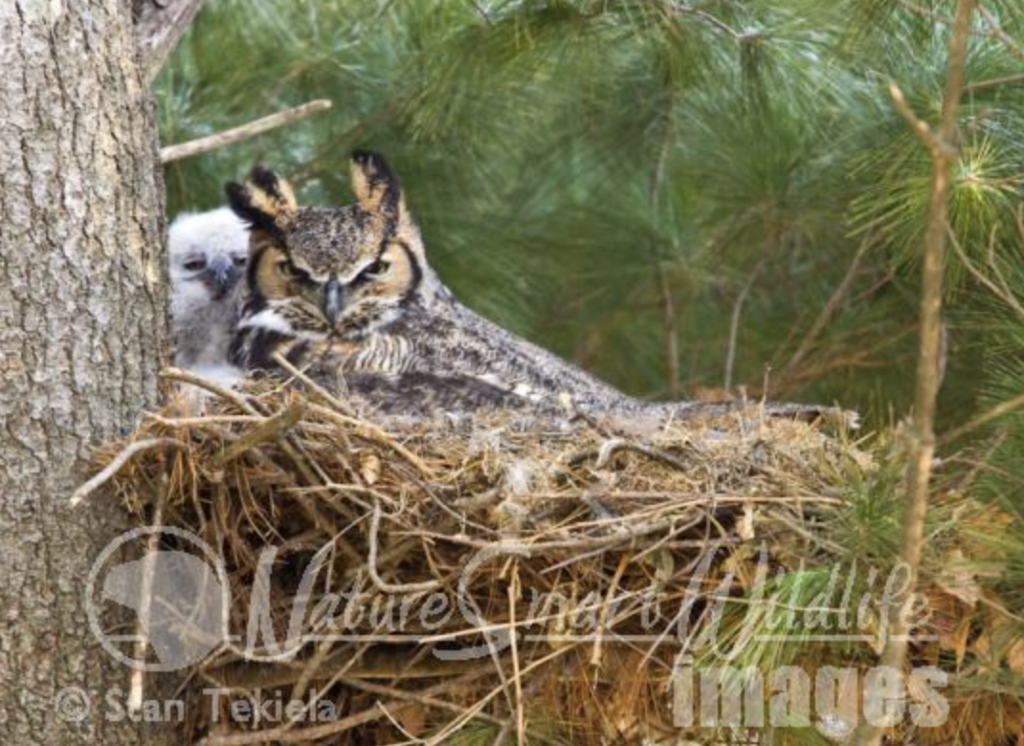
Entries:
{"x":347,"y":293}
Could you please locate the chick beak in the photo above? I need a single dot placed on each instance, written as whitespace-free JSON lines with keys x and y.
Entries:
{"x":333,"y":301}
{"x":220,"y":277}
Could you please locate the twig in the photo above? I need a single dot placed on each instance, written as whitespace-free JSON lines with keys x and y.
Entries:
{"x":187,"y":422}
{"x":310,"y":734}
{"x":445,"y":734}
{"x":831,"y":306}
{"x":371,"y":564}
{"x":158,"y":30}
{"x":921,"y":128}
{"x":995,"y":82}
{"x":184,"y":376}
{"x":293,"y":451}
{"x":272,"y":428}
{"x":137,"y":683}
{"x":609,"y":448}
{"x":671,"y":332}
{"x":111,"y":469}
{"x":173,"y":153}
{"x":401,"y":694}
{"x":997,"y":31}
{"x":602,"y":622}
{"x":1002,"y":293}
{"x":671,"y":329}
{"x":313,"y":386}
{"x":999,"y":410}
{"x":513,"y":636}
{"x":366,"y":431}
{"x":922,"y":445}
{"x":734,"y":326}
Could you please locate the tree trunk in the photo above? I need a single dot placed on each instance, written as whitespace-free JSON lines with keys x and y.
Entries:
{"x":82,"y":327}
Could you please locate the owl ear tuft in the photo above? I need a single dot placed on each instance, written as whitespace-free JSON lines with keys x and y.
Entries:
{"x":265,"y":201}
{"x":375,"y":184}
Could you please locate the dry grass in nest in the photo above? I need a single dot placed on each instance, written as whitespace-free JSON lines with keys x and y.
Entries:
{"x":563,"y":534}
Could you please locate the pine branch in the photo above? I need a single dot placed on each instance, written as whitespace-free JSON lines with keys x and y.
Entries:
{"x":922,"y":446}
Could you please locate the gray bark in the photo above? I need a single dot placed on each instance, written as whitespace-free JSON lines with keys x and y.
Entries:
{"x":82,"y":326}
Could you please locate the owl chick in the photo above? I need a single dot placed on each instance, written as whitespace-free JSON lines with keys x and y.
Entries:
{"x":208,"y":253}
{"x":348,"y":294}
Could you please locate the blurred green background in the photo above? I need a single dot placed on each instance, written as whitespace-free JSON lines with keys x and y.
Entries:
{"x":679,"y":197}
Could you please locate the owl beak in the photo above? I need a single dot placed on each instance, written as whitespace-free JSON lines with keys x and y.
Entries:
{"x":333,"y":301}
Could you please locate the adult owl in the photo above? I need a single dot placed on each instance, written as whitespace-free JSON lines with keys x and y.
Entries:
{"x":208,"y":253}
{"x":348,"y":294}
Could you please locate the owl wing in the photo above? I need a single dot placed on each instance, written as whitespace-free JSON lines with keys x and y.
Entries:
{"x":420,"y":394}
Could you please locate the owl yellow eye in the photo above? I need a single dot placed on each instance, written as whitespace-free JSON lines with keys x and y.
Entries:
{"x":378,"y":268}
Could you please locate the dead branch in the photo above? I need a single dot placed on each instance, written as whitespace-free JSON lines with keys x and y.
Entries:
{"x":248,"y":131}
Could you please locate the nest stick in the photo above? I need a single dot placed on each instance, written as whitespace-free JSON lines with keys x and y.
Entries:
{"x":513,"y":592}
{"x":272,"y":428}
{"x":313,"y":386}
{"x":602,"y":623}
{"x":137,"y":683}
{"x":345,"y":415}
{"x":417,"y":697}
{"x":374,"y":434}
{"x":111,"y":469}
{"x":184,"y":376}
{"x":385,"y":587}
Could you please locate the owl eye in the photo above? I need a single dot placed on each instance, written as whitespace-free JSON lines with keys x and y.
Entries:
{"x":378,"y":268}
{"x":239,"y":261}
{"x":292,"y":273}
{"x":195,"y":265}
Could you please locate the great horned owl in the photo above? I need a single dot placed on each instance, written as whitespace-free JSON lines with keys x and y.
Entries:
{"x":348,"y":294}
{"x":208,"y":252}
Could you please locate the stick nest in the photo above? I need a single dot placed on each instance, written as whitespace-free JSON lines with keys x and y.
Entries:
{"x":446,"y":536}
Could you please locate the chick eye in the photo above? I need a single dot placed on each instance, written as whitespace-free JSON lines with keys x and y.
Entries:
{"x":194,"y":265}
{"x":239,"y":261}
